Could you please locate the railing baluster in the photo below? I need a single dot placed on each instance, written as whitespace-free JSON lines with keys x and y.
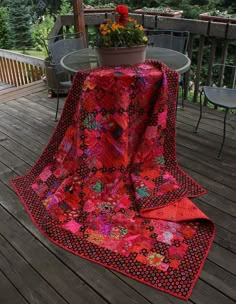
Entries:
{"x":211,"y":60}
{"x":187,"y":75}
{"x":210,"y":65}
{"x":32,"y":72}
{"x":29,"y":73}
{"x":37,"y":73}
{"x":25,"y":73}
{"x":9,"y":71}
{"x":233,"y":76}
{"x":20,"y":73}
{"x":6,"y":70}
{"x":9,"y":79}
{"x":41,"y":72}
{"x":199,"y":67}
{"x":13,"y":72}
{"x":1,"y":70}
{"x":223,"y":60}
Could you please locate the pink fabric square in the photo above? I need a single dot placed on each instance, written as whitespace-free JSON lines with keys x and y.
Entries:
{"x":46,"y":173}
{"x":162,"y":119}
{"x":72,"y":226}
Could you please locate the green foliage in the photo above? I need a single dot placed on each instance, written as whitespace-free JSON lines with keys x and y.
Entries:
{"x":65,"y":8}
{"x":191,"y":8}
{"x":223,"y":14}
{"x":4,"y":32}
{"x":99,"y":3}
{"x":20,"y":24}
{"x":40,"y":32}
{"x":42,"y":28}
{"x":113,"y":34}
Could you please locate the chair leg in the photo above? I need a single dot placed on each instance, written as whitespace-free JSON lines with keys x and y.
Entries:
{"x":57,"y":104}
{"x":224,"y":131}
{"x":200,"y":116}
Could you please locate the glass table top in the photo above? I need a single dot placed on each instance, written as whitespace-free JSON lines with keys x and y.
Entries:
{"x":87,"y":58}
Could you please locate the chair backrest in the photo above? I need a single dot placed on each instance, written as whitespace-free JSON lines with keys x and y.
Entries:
{"x":174,"y":40}
{"x":60,"y":48}
{"x":60,"y":45}
{"x":223,"y":75}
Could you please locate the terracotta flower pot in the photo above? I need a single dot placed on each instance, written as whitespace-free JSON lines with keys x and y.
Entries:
{"x":121,"y":55}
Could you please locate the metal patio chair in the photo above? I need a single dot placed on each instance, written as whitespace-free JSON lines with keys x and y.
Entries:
{"x":57,"y":48}
{"x":174,"y":40}
{"x":223,"y":95}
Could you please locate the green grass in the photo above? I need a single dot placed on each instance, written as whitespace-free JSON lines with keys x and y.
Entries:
{"x":34,"y":53}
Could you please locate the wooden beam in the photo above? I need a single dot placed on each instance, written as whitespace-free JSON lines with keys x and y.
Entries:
{"x":79,"y":18}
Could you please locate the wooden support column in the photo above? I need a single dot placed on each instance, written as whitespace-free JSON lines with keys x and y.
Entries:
{"x":79,"y":18}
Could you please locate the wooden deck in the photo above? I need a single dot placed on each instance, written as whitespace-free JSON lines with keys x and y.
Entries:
{"x":34,"y":270}
{"x":4,"y":86}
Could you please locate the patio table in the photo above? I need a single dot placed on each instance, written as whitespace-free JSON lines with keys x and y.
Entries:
{"x":87,"y":59}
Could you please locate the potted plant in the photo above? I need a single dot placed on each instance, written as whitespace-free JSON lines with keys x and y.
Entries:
{"x":96,"y":6}
{"x":218,"y":16}
{"x":122,"y":41}
{"x":160,"y":11}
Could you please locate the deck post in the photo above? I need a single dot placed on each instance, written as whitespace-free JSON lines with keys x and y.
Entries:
{"x":79,"y":18}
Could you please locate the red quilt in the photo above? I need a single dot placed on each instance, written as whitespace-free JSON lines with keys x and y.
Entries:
{"x":108,"y":187}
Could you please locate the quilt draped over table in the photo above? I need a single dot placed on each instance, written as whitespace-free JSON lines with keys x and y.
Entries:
{"x":108,"y":187}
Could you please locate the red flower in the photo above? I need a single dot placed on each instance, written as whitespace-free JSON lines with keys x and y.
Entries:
{"x":122,"y":10}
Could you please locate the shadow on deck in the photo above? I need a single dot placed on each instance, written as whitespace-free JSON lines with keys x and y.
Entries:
{"x":34,"y":270}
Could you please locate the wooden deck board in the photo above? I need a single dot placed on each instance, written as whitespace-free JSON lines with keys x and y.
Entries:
{"x":8,"y":293}
{"x":20,"y":114}
{"x":26,"y":124}
{"x":45,"y":263}
{"x":23,"y":276}
{"x":4,"y":86}
{"x":16,"y":92}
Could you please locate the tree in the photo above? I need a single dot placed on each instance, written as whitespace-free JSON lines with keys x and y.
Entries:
{"x":4,"y":32}
{"x":20,"y":24}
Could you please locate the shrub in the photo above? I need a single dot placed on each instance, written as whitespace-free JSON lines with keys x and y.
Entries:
{"x":41,"y":30}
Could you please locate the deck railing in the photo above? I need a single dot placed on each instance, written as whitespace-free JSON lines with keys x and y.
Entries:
{"x":204,"y":36}
{"x":17,"y":69}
